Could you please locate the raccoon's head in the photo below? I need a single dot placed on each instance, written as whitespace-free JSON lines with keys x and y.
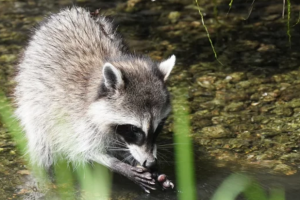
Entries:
{"x":133,"y":104}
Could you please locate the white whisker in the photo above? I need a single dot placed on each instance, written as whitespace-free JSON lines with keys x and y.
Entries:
{"x":118,"y":149}
{"x":163,"y":158}
{"x":171,"y":144}
{"x":165,"y":149}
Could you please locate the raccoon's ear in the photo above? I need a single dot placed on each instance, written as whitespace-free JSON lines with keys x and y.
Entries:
{"x":166,"y":66}
{"x":112,"y":77}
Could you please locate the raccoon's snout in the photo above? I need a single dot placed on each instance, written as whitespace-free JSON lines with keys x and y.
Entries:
{"x":150,"y":164}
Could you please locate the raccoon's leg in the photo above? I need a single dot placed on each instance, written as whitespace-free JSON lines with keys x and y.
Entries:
{"x":140,"y":176}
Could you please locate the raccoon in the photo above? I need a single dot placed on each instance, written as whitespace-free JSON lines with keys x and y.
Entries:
{"x":81,"y":95}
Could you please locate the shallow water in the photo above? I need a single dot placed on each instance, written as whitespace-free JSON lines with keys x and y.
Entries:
{"x":244,"y":113}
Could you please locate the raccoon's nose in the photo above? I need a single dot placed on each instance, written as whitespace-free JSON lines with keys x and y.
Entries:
{"x":150,"y":164}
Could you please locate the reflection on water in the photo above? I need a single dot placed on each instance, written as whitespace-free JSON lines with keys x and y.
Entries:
{"x":245,"y":114}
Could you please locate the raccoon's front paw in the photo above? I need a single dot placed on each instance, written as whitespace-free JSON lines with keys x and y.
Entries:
{"x":143,"y":178}
{"x":166,"y":183}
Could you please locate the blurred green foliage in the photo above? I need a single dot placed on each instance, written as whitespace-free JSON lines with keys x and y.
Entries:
{"x":183,"y":148}
{"x":94,"y":180}
{"x":237,"y":184}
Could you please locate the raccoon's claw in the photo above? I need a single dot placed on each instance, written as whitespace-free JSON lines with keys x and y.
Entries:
{"x":166,"y":184}
{"x":145,"y":190}
{"x":161,"y":178}
{"x":146,"y":187}
{"x":172,"y":185}
{"x":151,"y":182}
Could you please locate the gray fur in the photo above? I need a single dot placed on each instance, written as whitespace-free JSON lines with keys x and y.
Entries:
{"x":67,"y":101}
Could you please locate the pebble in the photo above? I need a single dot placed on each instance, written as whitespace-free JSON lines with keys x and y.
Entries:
{"x":217,"y":131}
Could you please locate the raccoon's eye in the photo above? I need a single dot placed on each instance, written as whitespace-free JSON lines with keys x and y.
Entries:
{"x":122,"y":129}
{"x":134,"y":129}
{"x":130,"y":133}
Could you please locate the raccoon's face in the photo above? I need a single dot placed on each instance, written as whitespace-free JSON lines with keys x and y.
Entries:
{"x":134,"y":105}
{"x":141,"y":144}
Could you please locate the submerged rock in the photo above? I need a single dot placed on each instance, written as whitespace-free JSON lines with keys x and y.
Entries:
{"x":174,"y":16}
{"x":235,"y":106}
{"x":236,"y":77}
{"x":283,"y":168}
{"x":217,"y":131}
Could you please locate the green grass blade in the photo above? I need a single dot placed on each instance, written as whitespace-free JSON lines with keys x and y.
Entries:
{"x":230,"y":4}
{"x":183,"y":149}
{"x":277,"y":194}
{"x":207,"y":33}
{"x":232,"y":187}
{"x":6,"y":114}
{"x":95,"y":182}
{"x":255,"y":192}
{"x":102,"y":180}
{"x":17,"y":134}
{"x":64,"y":180}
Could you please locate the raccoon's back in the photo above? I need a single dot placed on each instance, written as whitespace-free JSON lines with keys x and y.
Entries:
{"x":64,"y":54}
